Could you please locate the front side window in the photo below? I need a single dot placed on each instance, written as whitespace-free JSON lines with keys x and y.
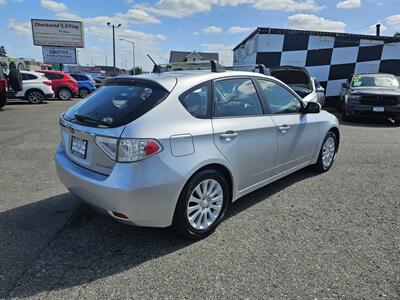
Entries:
{"x":196,"y":101}
{"x":281,"y":100}
{"x":117,"y":104}
{"x":236,"y":97}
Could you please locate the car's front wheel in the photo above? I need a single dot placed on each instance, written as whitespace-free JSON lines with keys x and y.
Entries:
{"x":64,"y":94}
{"x":202,"y":204}
{"x":327,"y":153}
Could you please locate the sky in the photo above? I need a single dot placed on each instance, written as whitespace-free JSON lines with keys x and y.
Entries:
{"x":157,"y":27}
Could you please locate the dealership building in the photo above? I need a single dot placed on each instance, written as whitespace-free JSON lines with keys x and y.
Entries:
{"x":329,"y":56}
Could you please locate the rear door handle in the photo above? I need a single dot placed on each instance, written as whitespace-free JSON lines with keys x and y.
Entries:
{"x":228,"y":135}
{"x":284,"y":128}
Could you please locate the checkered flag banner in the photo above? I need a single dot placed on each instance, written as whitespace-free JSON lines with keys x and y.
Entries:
{"x":330,"y":57}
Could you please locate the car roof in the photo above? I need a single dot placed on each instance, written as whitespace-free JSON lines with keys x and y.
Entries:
{"x":31,"y":72}
{"x":168,"y":80}
{"x":51,"y":71}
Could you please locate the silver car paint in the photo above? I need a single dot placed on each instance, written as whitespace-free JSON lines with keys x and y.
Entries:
{"x":147,"y":191}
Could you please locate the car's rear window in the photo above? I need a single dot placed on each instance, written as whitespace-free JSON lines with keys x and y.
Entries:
{"x":117,"y":104}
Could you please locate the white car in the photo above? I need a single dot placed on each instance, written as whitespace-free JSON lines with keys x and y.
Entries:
{"x":298,"y":78}
{"x":36,"y":87}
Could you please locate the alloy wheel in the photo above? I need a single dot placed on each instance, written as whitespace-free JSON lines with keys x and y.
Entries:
{"x":35,"y":97}
{"x":83,"y":93}
{"x":205,"y":204}
{"x":64,"y":95}
{"x":328,"y":152}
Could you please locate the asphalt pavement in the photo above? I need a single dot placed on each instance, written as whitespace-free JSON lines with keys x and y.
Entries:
{"x":335,"y":235}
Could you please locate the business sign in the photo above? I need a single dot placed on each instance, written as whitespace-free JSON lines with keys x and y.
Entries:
{"x":59,"y":55}
{"x":57,"y":33}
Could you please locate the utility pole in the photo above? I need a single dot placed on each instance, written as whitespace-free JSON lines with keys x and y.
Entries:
{"x":113,"y":34}
{"x":133,"y":55}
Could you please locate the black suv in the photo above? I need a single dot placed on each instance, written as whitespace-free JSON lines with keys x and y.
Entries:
{"x":375,"y":94}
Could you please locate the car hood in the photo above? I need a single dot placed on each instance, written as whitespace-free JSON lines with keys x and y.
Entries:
{"x":376,"y":92}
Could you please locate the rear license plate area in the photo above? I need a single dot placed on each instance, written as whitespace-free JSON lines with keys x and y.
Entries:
{"x":79,"y":147}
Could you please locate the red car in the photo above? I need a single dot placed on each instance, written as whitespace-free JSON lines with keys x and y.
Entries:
{"x":64,"y":86}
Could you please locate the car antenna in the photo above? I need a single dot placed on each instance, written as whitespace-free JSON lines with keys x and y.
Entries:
{"x":156,"y":68}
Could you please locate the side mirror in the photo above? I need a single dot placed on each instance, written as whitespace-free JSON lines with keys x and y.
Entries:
{"x":344,"y":84}
{"x":313,"y":108}
{"x":321,"y":89}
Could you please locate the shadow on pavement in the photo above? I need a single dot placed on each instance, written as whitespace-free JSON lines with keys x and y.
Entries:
{"x":40,"y":258}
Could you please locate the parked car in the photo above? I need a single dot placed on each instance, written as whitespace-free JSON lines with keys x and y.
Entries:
{"x":176,"y":148}
{"x":64,"y":86}
{"x":298,"y":78}
{"x":99,"y":80}
{"x":86,"y":84}
{"x":36,"y":87}
{"x":371,"y":93}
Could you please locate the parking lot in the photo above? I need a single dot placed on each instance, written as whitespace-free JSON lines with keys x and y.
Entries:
{"x":307,"y":235}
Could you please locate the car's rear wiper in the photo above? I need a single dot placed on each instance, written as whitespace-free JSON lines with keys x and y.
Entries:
{"x":88,"y":119}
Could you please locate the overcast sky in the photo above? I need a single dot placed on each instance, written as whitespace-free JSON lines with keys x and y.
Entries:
{"x":203,"y":25}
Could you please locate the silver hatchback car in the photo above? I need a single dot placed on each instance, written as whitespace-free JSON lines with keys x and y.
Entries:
{"x":176,"y":148}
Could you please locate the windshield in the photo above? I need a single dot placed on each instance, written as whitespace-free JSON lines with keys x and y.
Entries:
{"x":116,"y":105}
{"x":384,"y":81}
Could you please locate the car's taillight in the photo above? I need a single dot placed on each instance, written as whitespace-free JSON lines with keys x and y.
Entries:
{"x":128,"y":150}
{"x":47,"y":82}
{"x":131,"y":150}
{"x":108,"y":145}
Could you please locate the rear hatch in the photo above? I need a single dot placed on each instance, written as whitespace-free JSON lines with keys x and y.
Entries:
{"x":90,"y":127}
{"x":297,"y":78}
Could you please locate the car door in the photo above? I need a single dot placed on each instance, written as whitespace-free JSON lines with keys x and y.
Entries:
{"x":297,"y":133}
{"x":242,"y":132}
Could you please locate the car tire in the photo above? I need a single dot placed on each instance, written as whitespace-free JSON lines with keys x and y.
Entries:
{"x":192,"y":221}
{"x":3,"y":99}
{"x":327,"y":153}
{"x":64,"y":94}
{"x":35,"y":96}
{"x":83,"y":92}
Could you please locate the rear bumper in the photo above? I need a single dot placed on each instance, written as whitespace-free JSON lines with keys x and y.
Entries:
{"x":147,"y":196}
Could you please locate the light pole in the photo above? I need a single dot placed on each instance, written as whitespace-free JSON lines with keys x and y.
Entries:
{"x":133,"y":54}
{"x":113,"y":31}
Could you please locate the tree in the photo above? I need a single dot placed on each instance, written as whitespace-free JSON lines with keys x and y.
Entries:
{"x":138,"y":71}
{"x":397,"y":35}
{"x":3,"y":52}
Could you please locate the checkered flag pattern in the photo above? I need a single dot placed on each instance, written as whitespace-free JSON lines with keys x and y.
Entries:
{"x":331,"y":59}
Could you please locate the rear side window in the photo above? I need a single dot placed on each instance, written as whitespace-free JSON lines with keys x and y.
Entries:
{"x":196,"y":101}
{"x":116,"y":105}
{"x":26,"y":76}
{"x":53,"y":76}
{"x":79,"y":77}
{"x":236,"y":97}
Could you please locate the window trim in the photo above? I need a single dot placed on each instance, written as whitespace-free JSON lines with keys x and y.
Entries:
{"x":263,"y":107}
{"x":302,"y":104}
{"x":209,"y":102}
